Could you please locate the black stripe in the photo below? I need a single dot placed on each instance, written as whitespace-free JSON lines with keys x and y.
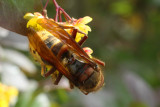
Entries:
{"x":50,"y":41}
{"x":56,"y":48}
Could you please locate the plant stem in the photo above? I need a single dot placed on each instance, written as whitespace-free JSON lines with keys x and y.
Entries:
{"x":46,"y":5}
{"x":56,"y":4}
{"x":58,"y":12}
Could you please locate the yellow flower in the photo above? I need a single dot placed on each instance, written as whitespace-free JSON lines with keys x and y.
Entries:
{"x":7,"y":94}
{"x":81,"y":25}
{"x":33,"y":20}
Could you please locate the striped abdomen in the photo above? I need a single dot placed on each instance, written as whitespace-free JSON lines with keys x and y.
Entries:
{"x":53,"y":44}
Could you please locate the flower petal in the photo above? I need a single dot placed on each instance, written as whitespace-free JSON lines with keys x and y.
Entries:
{"x":88,"y":50}
{"x":85,"y":20}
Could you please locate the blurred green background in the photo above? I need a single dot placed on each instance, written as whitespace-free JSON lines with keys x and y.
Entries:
{"x":125,"y":35}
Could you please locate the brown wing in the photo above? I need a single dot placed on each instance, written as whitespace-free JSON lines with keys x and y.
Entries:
{"x":12,"y":12}
{"x":59,"y":32}
{"x":46,"y":53}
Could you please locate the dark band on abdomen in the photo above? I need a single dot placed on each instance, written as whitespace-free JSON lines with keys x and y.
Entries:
{"x":56,"y":48}
{"x":50,"y":41}
{"x":53,"y":44}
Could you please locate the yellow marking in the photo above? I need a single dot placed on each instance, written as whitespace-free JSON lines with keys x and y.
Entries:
{"x":45,"y":35}
{"x":35,"y":55}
